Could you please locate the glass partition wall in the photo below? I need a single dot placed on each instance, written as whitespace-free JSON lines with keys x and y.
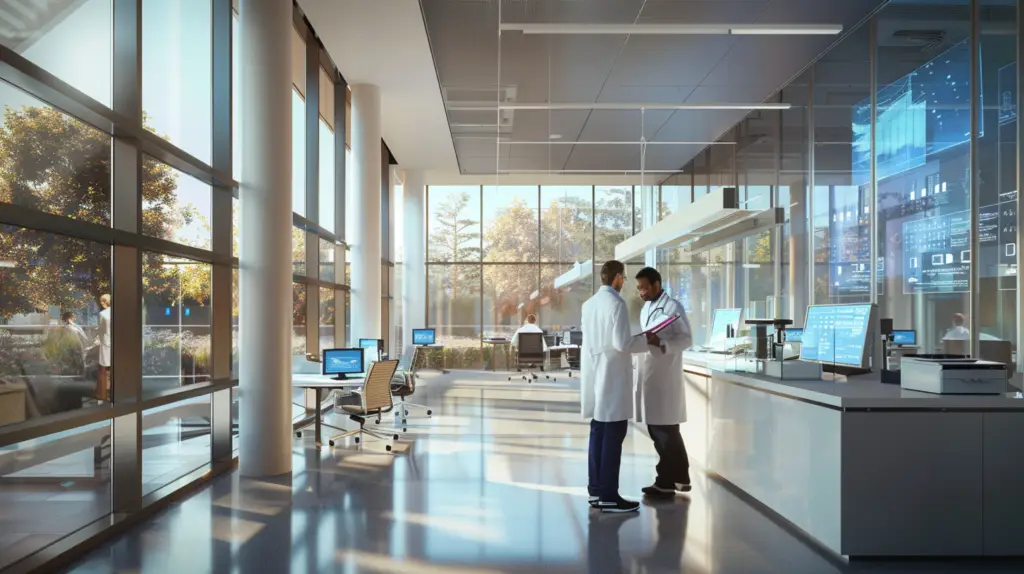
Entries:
{"x":896,"y":167}
{"x":118,"y":335}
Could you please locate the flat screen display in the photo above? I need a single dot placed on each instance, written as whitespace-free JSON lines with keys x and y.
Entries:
{"x":423,"y":337}
{"x":794,"y":335}
{"x":723,"y":318}
{"x":372,"y":346}
{"x":904,"y":337}
{"x":837,"y":334}
{"x":343,"y":361}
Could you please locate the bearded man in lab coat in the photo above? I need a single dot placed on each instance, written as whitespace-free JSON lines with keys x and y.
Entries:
{"x":606,"y":387}
{"x":660,"y":398}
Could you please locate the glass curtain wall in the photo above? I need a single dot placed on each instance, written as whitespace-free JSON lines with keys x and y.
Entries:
{"x":896,"y":168}
{"x":70,"y":269}
{"x":497,"y":254}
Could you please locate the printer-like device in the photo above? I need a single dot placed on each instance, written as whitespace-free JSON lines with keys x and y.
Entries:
{"x":953,"y":375}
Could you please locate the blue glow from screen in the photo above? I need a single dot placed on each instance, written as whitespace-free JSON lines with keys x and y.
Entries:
{"x":343,"y":361}
{"x":836,"y":334}
{"x":794,"y":335}
{"x":423,"y":337}
{"x":904,"y":337}
{"x":723,"y":317}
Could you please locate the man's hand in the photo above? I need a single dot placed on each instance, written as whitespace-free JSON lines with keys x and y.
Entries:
{"x":654,"y":340}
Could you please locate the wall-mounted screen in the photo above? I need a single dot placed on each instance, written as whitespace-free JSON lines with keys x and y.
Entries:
{"x":924,"y":112}
{"x":837,"y":334}
{"x":904,"y":337}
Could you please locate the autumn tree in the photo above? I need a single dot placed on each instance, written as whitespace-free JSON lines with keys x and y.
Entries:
{"x":455,"y":238}
{"x":56,"y":164}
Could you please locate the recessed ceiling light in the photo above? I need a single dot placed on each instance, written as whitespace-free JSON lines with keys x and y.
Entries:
{"x":555,"y":137}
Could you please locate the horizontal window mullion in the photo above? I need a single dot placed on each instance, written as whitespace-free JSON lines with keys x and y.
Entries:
{"x":184,"y":393}
{"x":51,"y":424}
{"x":306,"y":280}
{"x":310,"y":226}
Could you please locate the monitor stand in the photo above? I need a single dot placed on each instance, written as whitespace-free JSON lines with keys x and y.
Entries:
{"x":340,"y":377}
{"x":844,"y":370}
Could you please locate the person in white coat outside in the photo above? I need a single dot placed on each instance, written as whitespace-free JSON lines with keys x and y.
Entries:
{"x":660,"y":396}
{"x":104,"y":339}
{"x":606,"y":387}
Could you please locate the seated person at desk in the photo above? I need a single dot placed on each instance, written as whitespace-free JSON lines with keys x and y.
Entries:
{"x":958,"y":332}
{"x":530,"y":326}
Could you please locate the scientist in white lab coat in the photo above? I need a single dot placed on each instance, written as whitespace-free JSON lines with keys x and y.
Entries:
{"x":660,"y":397}
{"x":606,"y":387}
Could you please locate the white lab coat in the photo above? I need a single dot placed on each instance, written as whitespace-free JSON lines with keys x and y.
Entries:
{"x":528,"y":328}
{"x":660,"y":395}
{"x":105,"y":337}
{"x":958,"y":333}
{"x":606,"y":367}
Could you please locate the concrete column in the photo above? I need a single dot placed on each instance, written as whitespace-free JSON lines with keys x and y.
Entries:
{"x":363,"y":204}
{"x":414,"y":268}
{"x":265,"y":286}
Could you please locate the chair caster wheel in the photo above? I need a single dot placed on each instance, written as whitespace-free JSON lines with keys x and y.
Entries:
{"x":395,"y":436}
{"x":388,"y":448}
{"x":330,"y":442}
{"x":404,"y":421}
{"x":298,"y":435}
{"x":403,"y":430}
{"x":357,"y":440}
{"x":407,"y":412}
{"x":429,"y":412}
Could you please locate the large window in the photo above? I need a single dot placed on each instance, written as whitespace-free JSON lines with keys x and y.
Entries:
{"x":567,"y":223}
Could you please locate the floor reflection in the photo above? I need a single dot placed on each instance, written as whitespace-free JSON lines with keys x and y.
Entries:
{"x":493,"y":483}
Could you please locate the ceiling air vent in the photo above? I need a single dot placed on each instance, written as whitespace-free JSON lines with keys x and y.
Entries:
{"x":927,"y":39}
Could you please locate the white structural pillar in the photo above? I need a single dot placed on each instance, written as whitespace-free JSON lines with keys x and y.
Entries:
{"x":265,"y":284}
{"x":414,"y":252}
{"x":364,"y":206}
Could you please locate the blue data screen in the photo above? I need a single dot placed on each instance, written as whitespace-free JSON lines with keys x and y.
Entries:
{"x":904,"y":337}
{"x":794,"y":335}
{"x":836,"y":334}
{"x":723,"y":317}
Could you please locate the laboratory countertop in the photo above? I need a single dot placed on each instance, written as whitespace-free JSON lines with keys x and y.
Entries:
{"x":862,"y":392}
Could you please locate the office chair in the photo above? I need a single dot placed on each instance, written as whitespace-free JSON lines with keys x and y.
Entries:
{"x":403,"y":385}
{"x":530,"y":355}
{"x":374,"y":399}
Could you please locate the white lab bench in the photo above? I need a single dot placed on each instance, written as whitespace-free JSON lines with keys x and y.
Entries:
{"x":864,"y":468}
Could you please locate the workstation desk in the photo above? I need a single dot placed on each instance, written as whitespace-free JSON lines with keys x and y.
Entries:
{"x":320,"y":386}
{"x":865,"y":469}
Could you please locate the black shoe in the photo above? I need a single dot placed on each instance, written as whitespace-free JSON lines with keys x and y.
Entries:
{"x":684,"y":486}
{"x":620,"y":506}
{"x":659,"y":491}
{"x":594,"y":502}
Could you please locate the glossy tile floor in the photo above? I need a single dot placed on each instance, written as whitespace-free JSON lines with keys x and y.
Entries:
{"x":494,"y":482}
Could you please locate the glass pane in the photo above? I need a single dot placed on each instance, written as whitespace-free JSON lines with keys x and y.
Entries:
{"x":327,"y":249}
{"x":567,"y":224}
{"x":53,"y":486}
{"x":298,"y":323}
{"x":510,"y":294}
{"x":453,"y":223}
{"x":685,"y":276}
{"x":613,"y":220}
{"x":236,"y":99}
{"x":298,"y":153}
{"x":326,"y":318}
{"x":55,"y":349}
{"x":175,"y":322}
{"x":453,"y":294}
{"x":327,"y":184}
{"x":842,"y":171}
{"x":997,"y":182}
{"x":236,"y":225}
{"x":327,"y":98}
{"x":175,"y":206}
{"x":177,"y":79}
{"x":234,"y":323}
{"x":922,"y":143}
{"x":175,"y":442}
{"x":52,"y":162}
{"x":674,"y":198}
{"x":559,"y":308}
{"x":510,"y":223}
{"x":298,"y":251}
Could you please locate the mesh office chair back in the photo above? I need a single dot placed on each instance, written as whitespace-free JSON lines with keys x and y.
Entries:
{"x":377,"y":389}
{"x":531,"y":348}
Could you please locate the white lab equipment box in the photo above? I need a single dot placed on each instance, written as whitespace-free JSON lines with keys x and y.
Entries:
{"x":953,"y":376}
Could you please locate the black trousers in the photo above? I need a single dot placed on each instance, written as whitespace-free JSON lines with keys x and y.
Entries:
{"x":605,"y":458}
{"x":673,"y":464}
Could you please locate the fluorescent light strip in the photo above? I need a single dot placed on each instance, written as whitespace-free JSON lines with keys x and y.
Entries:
{"x":609,"y":106}
{"x":604,"y":171}
{"x":673,"y":29}
{"x":564,"y":142}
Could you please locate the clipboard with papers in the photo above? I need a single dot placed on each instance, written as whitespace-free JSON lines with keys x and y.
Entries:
{"x":661,"y":326}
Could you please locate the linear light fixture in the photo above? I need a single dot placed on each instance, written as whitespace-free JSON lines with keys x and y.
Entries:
{"x":560,"y":106}
{"x":673,"y":29}
{"x":599,"y":171}
{"x":564,"y":142}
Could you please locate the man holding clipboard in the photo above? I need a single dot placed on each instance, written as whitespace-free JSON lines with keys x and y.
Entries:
{"x":659,"y":399}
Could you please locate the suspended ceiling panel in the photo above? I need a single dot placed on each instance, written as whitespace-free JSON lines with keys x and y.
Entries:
{"x":476,"y":70}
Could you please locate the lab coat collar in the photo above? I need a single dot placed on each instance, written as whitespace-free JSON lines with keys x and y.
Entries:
{"x":611,"y":290}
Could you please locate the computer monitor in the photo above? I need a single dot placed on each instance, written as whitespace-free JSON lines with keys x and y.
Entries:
{"x":423,"y":337}
{"x":723,"y":318}
{"x":838,"y":334}
{"x":374,"y":348}
{"x":566,"y":337}
{"x":904,"y":337}
{"x":575,"y":337}
{"x":794,"y":335}
{"x":342,"y":362}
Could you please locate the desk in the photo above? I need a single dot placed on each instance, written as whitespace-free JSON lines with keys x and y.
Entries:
{"x":426,"y":364}
{"x":854,"y":462}
{"x":318,"y":384}
{"x":498,"y":343}
{"x":572,"y":354}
